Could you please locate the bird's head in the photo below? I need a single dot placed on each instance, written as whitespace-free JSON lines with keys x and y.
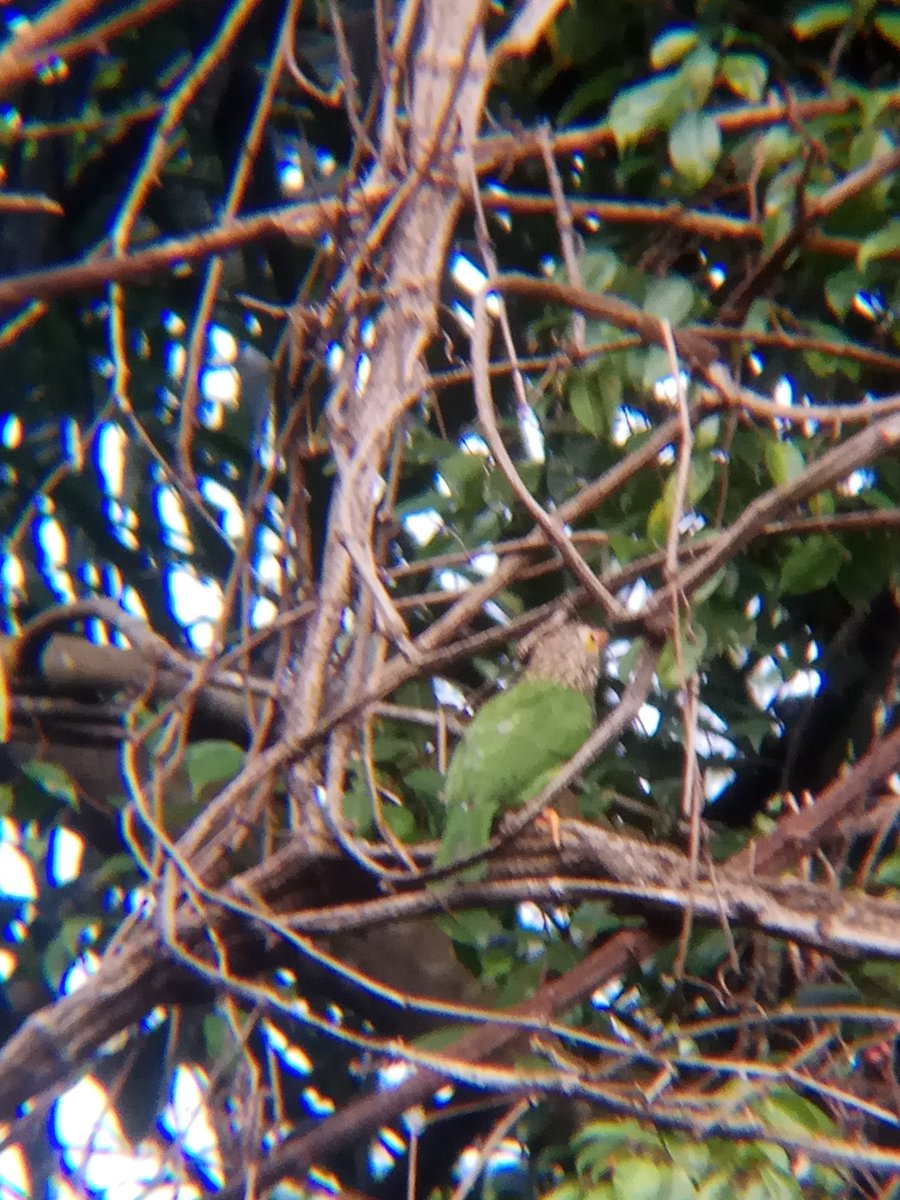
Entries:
{"x":569,"y":655}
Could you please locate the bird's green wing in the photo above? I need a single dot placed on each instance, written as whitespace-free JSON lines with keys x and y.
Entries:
{"x":515,"y":740}
{"x":467,"y":830}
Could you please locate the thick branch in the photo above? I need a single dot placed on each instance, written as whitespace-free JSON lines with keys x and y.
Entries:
{"x":300,"y":889}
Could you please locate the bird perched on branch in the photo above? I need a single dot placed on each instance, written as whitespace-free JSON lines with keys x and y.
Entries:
{"x":518,"y":740}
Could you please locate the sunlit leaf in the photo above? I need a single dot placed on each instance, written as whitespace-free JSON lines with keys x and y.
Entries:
{"x":818,"y":18}
{"x":784,"y":461}
{"x":596,"y":1142}
{"x":868,"y":145}
{"x":746,"y":75}
{"x":695,"y":144}
{"x":645,"y":108}
{"x":698,"y":72}
{"x":598,"y":271}
{"x":671,"y":47}
{"x":671,"y":299}
{"x":888,"y":25}
{"x":878,"y":245}
{"x":776,"y":147}
{"x":641,"y":1179}
{"x":793,"y":1115}
{"x":718,"y":1186}
{"x":707,"y":434}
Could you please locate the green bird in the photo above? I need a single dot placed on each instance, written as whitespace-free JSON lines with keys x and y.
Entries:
{"x":518,"y":740}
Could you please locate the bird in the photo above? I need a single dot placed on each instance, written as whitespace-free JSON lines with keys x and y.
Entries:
{"x":519,"y":739}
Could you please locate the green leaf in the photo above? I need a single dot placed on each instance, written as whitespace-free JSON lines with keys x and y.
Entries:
{"x":597,"y":1142}
{"x":427,"y":449}
{"x":784,"y":461}
{"x":888,"y":25}
{"x":841,"y":289}
{"x":818,"y":18}
{"x":644,"y":109}
{"x":822,"y":504}
{"x":627,"y":547}
{"x":706,"y":951}
{"x":658,"y":522}
{"x":772,"y":1184}
{"x":792,"y":1115}
{"x":746,"y":75}
{"x":389,"y":747}
{"x":672,"y":675}
{"x":687,"y":1154}
{"x":640,"y":1179}
{"x":719,"y":1186}
{"x":700,"y":480}
{"x":114,"y":870}
{"x":599,"y":269}
{"x":587,"y":405}
{"x":874,"y":103}
{"x":110,"y":73}
{"x":72,"y":934}
{"x":356,"y":808}
{"x":712,"y":585}
{"x":498,"y":490}
{"x":888,"y":872}
{"x":757,"y":318}
{"x":868,"y":145}
{"x":671,"y":299}
{"x":595,"y":397}
{"x":878,"y":245}
{"x":423,"y":502}
{"x":775,"y":148}
{"x":476,"y":927}
{"x":211,"y":763}
{"x":698,"y":72}
{"x":594,"y":93}
{"x":777,"y":223}
{"x":400,"y":821}
{"x":754,"y":729}
{"x":216,"y":1036}
{"x":701,"y":476}
{"x":424,"y":782}
{"x":55,"y":961}
{"x":464,"y":475}
{"x":591,"y":919}
{"x":52,"y":780}
{"x":671,"y":47}
{"x":681,"y":1186}
{"x":695,"y":144}
{"x":655,"y":365}
{"x":570,"y":1190}
{"x":707,"y":434}
{"x":811,"y":564}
